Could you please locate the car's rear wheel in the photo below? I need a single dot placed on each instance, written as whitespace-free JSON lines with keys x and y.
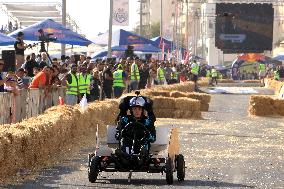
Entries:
{"x":169,"y":171}
{"x":180,"y":163}
{"x":94,"y":169}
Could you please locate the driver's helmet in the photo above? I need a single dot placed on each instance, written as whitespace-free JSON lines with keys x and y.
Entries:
{"x":137,"y":101}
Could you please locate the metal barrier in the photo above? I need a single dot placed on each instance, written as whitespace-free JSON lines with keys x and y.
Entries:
{"x":27,"y":103}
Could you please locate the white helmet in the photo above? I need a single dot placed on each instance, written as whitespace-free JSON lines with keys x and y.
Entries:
{"x":137,"y":101}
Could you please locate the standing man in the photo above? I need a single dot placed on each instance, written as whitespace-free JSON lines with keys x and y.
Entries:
{"x":72,"y":91}
{"x":30,"y":65}
{"x":84,"y":82}
{"x":144,"y":76}
{"x":2,"y":80}
{"x":194,"y":71}
{"x":161,"y":74}
{"x":119,"y":77}
{"x":19,"y":46}
{"x":261,"y":72}
{"x":214,"y":75}
{"x":168,"y":73}
{"x":107,"y":81}
{"x":134,"y":76}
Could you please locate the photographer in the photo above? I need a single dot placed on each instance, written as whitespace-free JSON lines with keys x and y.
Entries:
{"x":20,"y":50}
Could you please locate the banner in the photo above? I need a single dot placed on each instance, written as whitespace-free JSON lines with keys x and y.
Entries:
{"x":120,"y":12}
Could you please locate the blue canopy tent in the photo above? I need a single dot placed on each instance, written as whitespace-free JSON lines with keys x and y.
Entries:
{"x":279,"y":57}
{"x":6,"y":40}
{"x":138,"y":47}
{"x":159,"y":40}
{"x":100,"y":55}
{"x":62,"y":34}
{"x":122,"y":37}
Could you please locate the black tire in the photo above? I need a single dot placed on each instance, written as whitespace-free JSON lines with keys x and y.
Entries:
{"x":169,"y":171}
{"x":94,"y":169}
{"x":180,"y":163}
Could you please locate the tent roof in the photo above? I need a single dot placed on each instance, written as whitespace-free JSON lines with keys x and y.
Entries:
{"x":30,"y":13}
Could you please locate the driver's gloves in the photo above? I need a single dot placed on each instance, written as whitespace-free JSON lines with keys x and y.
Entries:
{"x":148,"y":122}
{"x":152,"y":138}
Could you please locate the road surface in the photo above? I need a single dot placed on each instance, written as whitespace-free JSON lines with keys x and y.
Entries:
{"x":227,"y":149}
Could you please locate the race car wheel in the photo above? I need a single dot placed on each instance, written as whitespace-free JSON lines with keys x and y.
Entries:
{"x":180,"y":166}
{"x":169,"y":171}
{"x":94,"y":169}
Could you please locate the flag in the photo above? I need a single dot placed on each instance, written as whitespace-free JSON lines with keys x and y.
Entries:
{"x":120,"y":12}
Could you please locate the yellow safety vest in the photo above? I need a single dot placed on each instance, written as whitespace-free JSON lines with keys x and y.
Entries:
{"x":134,"y":71}
{"x":174,"y":75}
{"x":84,"y":83}
{"x":161,"y":74}
{"x":276,"y":75}
{"x":118,"y":79}
{"x":214,"y":73}
{"x":261,"y":67}
{"x":195,"y":69}
{"x":72,"y":88}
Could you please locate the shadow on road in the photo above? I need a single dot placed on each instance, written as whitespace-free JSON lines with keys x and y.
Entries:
{"x":158,"y":182}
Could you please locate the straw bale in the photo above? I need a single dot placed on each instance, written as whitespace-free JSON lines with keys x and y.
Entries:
{"x":261,"y":105}
{"x":251,"y":81}
{"x":226,"y":81}
{"x":160,"y":93}
{"x":164,"y":113}
{"x":279,"y":106}
{"x":163,"y":102}
{"x":187,"y":104}
{"x":177,"y":94}
{"x":204,"y":107}
{"x":204,"y":98}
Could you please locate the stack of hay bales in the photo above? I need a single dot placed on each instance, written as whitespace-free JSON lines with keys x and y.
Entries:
{"x":251,"y":81}
{"x":274,"y":84}
{"x":203,"y":98}
{"x":226,"y":81}
{"x":182,"y":87}
{"x":261,"y":105}
{"x":166,"y":107}
{"x":36,"y":141}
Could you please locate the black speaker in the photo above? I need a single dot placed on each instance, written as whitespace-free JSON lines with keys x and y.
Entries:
{"x":9,"y":60}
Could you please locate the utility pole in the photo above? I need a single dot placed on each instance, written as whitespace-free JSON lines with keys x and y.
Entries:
{"x":63,"y":23}
{"x":186,"y":27}
{"x":110,"y":29}
{"x":161,"y":22}
{"x":141,"y":11}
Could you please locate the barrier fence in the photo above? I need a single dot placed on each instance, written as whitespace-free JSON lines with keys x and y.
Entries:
{"x":27,"y":103}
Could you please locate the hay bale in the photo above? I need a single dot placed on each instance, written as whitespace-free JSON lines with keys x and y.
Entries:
{"x":226,"y":81}
{"x":177,"y":94}
{"x":164,"y":113}
{"x":204,"y":107}
{"x":251,"y":81}
{"x":163,"y":102}
{"x":187,"y":104}
{"x":204,"y":98}
{"x":261,"y":105}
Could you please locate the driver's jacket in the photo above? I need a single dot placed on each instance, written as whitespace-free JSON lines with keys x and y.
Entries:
{"x":148,"y":123}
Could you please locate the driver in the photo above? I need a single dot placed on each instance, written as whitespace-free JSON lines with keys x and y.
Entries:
{"x":137,"y":115}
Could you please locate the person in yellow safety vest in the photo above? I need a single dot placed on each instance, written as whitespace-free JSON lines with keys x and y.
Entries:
{"x":134,"y":75}
{"x":208,"y":73}
{"x":261,"y":72}
{"x":175,"y":76}
{"x":276,"y":75}
{"x":84,"y":82}
{"x":161,"y":74}
{"x":214,"y":75}
{"x":119,"y":77}
{"x":194,"y":73}
{"x":72,"y":91}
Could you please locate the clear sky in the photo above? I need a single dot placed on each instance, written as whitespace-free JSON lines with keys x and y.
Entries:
{"x":91,"y":15}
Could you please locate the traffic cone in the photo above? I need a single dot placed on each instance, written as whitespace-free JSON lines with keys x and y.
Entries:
{"x":61,"y":100}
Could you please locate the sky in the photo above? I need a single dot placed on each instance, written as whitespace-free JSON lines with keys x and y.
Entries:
{"x":92,"y":16}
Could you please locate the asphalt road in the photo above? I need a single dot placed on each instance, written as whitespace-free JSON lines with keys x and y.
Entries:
{"x":227,"y":149}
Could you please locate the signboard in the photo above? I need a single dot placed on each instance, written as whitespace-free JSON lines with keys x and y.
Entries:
{"x":120,"y":12}
{"x":244,"y":28}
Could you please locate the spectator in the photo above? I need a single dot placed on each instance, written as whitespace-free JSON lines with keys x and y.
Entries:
{"x":95,"y":85}
{"x":119,"y":78}
{"x":44,"y":60}
{"x":168,"y":73}
{"x":107,"y":79}
{"x":72,"y":92}
{"x":23,"y":82}
{"x":30,"y":65}
{"x":144,"y":76}
{"x":2,"y":80}
{"x":41,"y":79}
{"x":84,"y":80}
